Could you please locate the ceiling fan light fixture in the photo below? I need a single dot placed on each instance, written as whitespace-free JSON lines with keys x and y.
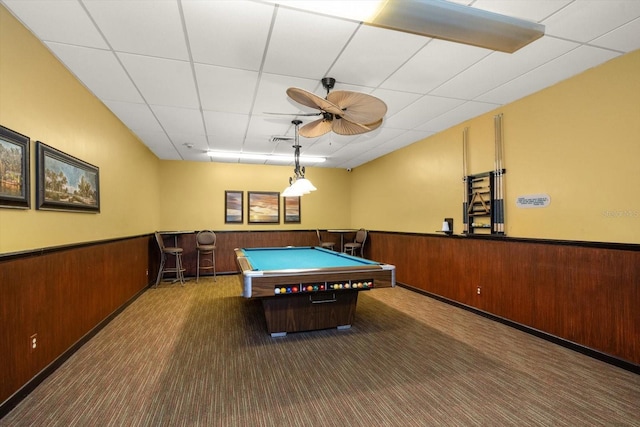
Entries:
{"x":298,"y":184}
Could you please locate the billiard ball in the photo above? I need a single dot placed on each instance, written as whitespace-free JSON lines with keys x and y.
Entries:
{"x":277,"y":290}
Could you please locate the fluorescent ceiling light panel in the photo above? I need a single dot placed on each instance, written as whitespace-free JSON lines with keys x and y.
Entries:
{"x":434,"y":18}
{"x":270,"y":157}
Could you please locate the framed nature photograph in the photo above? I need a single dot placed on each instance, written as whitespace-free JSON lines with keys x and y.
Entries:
{"x":14,"y":169}
{"x":65,"y":182}
{"x":292,"y":210}
{"x":264,"y":207}
{"x":233,"y":204}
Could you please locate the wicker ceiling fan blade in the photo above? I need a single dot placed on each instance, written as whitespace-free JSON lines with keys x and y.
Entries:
{"x":312,"y":100}
{"x":374,"y":125}
{"x":358,"y":107}
{"x":292,"y":114}
{"x":343,"y":126}
{"x":316,"y":128}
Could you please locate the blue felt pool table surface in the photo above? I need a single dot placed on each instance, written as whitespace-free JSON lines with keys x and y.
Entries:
{"x":266,"y":259}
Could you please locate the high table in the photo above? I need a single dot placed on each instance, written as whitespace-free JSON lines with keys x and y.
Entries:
{"x":342,"y":232}
{"x":308,"y":288}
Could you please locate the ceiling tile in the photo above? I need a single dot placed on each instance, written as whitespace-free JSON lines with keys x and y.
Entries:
{"x":561,"y":68}
{"x":177,"y":121}
{"x":457,"y":115}
{"x":141,"y":26}
{"x":625,"y":38}
{"x":162,"y":81}
{"x":421,"y":111}
{"x":601,"y":16}
{"x":137,"y":117}
{"x":225,"y":131}
{"x":374,"y":54}
{"x":228,"y":33}
{"x":499,"y":68}
{"x":433,"y":65}
{"x":294,"y":50}
{"x":62,"y":21}
{"x":226,"y":89}
{"x":99,"y":70}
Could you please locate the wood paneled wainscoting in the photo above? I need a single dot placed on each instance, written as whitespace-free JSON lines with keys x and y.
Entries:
{"x":62,"y":296}
{"x":583,"y":295}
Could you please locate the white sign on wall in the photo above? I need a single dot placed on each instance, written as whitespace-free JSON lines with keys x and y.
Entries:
{"x":533,"y":201}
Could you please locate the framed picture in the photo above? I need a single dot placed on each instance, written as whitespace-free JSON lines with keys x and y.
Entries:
{"x":264,"y":207}
{"x":65,"y":182}
{"x":292,"y":210}
{"x":233,"y":204}
{"x":14,"y":169}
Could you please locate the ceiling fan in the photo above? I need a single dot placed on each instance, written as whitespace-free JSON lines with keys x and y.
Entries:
{"x":343,"y":112}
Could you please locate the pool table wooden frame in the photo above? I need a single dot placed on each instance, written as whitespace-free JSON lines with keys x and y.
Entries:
{"x":306,"y":311}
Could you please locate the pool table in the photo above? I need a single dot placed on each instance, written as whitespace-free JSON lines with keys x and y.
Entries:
{"x":308,"y":288}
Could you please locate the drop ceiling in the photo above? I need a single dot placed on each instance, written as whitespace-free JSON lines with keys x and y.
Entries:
{"x":187,"y":76}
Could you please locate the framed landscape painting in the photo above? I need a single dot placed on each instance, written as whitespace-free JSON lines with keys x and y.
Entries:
{"x":233,"y":203}
{"x":292,"y":210}
{"x":264,"y":207}
{"x":65,"y":182}
{"x":14,"y":169}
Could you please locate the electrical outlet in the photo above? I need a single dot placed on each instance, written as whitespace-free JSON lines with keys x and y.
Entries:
{"x":478,"y":290}
{"x":33,"y":342}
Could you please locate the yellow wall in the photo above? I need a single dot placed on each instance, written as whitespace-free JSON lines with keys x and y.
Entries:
{"x":577,"y":141}
{"x":198,"y":189}
{"x":41,"y":99}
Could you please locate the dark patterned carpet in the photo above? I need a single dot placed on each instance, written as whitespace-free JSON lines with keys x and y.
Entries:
{"x":199,"y":355}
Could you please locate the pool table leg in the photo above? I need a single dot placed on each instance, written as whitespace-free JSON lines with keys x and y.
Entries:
{"x":303,"y":312}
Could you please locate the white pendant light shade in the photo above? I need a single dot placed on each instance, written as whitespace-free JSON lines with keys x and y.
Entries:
{"x":304,"y":186}
{"x":292,"y":192}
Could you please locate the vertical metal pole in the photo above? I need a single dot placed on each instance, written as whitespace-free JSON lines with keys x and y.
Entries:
{"x":499,"y":178}
{"x":465,"y":200}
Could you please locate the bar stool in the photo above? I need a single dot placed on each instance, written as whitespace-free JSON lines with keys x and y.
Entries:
{"x":206,"y":246}
{"x":165,"y":252}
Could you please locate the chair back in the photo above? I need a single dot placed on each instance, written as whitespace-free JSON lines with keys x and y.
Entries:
{"x":160,"y":241}
{"x":361,"y":236}
{"x":206,"y":237}
{"x":319,"y":238}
